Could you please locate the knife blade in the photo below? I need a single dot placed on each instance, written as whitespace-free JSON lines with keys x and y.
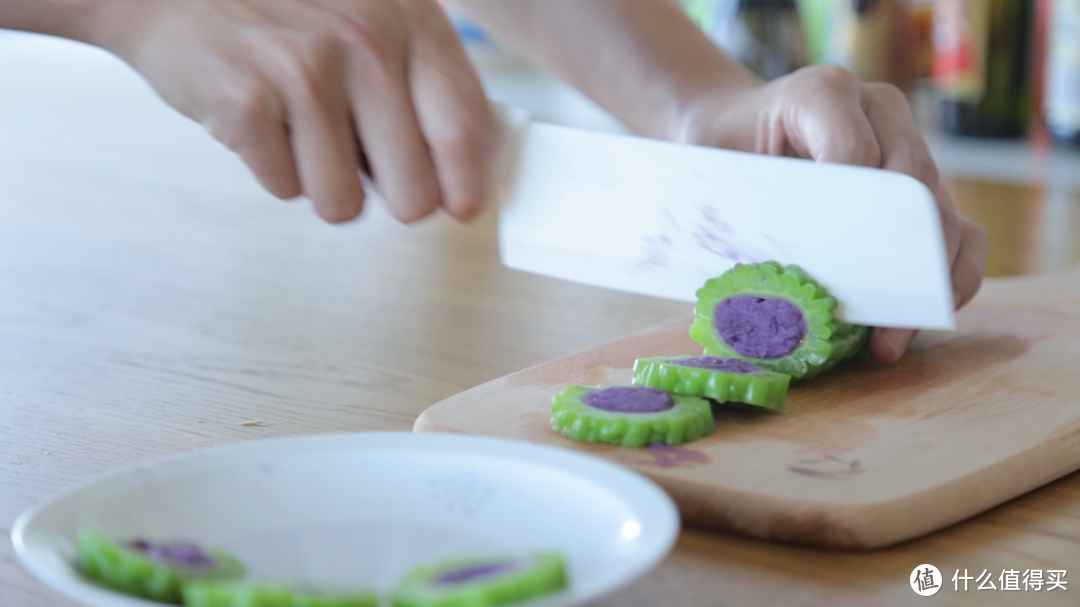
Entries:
{"x":659,"y":218}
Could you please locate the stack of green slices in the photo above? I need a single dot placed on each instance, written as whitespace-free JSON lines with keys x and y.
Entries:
{"x":761,"y":326}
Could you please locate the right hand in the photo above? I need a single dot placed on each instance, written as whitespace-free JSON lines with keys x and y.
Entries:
{"x":826,"y":114}
{"x":311,"y":92}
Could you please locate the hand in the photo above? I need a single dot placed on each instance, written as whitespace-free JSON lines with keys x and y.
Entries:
{"x":311,"y":92}
{"x":826,"y":114}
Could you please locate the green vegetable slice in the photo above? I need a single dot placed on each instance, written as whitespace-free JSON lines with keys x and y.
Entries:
{"x":482,"y":582}
{"x":761,"y":387}
{"x":231,"y":593}
{"x":689,"y":419}
{"x":826,"y":342}
{"x":130,"y":571}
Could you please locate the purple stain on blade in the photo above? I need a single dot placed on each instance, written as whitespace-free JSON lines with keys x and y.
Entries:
{"x":630,"y":399}
{"x":471,"y":573}
{"x":760,"y":327}
{"x":715,"y":363}
{"x":185,"y":554}
{"x":717,"y":236}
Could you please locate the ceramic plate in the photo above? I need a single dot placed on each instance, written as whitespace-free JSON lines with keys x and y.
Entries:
{"x":362,"y":509}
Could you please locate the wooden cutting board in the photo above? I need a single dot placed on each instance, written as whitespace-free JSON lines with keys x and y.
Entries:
{"x":866,"y":455}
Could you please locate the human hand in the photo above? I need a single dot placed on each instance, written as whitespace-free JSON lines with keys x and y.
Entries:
{"x":826,"y":114}
{"x":311,"y":92}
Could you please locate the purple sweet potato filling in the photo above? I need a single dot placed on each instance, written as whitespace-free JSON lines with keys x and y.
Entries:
{"x":471,"y":573}
{"x":714,"y":363}
{"x":630,"y":399}
{"x":760,"y":327}
{"x":184,"y":554}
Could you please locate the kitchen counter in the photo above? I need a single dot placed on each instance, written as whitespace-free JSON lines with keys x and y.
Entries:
{"x":153,"y":299}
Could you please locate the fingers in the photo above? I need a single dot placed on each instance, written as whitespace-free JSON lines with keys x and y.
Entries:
{"x":323,"y":139}
{"x":830,"y":122}
{"x":454,"y":114}
{"x":967,"y":270}
{"x":904,"y":150}
{"x":269,"y":156}
{"x":888,"y":345}
{"x":250,"y":121}
{"x":377,"y":84}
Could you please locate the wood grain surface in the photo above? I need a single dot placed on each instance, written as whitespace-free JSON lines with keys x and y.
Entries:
{"x":153,"y":300}
{"x":865,"y":456}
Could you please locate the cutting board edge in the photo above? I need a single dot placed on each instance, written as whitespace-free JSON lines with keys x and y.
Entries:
{"x":862,"y":526}
{"x":869,"y":525}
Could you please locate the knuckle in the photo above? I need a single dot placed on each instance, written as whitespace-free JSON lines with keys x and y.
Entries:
{"x":371,"y":43}
{"x":249,"y":104}
{"x":833,"y":76}
{"x":890,"y":94}
{"x":466,"y":140}
{"x":860,"y":149}
{"x":919,"y":164}
{"x":302,"y":61}
{"x":240,"y":107}
{"x":364,"y":34}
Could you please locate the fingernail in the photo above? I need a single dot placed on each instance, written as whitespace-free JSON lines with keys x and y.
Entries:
{"x":898,"y":342}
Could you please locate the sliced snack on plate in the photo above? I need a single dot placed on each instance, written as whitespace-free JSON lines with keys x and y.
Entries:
{"x":482,"y":582}
{"x":150,"y":569}
{"x":181,"y":573}
{"x":726,"y":380}
{"x":236,"y":593}
{"x":631,"y":416}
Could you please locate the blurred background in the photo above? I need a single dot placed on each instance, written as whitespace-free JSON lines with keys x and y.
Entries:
{"x":995,"y":85}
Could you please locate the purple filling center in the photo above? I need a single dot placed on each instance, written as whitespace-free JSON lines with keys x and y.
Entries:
{"x":474,"y":572}
{"x":174,"y":553}
{"x":731,"y":365}
{"x":760,"y":327}
{"x":630,"y":399}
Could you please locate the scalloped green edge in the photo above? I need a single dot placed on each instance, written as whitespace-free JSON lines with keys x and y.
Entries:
{"x":764,"y":388}
{"x":546,"y":574}
{"x":827,"y":342}
{"x":690,"y":419}
{"x":234,"y":593}
{"x":125,"y":570}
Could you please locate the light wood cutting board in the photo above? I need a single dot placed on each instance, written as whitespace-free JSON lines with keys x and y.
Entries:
{"x":866,"y":455}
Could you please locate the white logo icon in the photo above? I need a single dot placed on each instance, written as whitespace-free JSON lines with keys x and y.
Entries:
{"x":925,"y":580}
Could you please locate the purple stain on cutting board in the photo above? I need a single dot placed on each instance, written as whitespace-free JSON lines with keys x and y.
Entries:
{"x":667,"y":457}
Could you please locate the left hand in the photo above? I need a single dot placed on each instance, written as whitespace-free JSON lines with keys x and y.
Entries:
{"x":826,"y":113}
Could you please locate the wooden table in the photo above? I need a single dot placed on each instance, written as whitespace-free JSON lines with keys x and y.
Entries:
{"x":153,"y":300}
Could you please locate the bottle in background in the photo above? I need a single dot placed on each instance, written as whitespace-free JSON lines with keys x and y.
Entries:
{"x":872,"y":38}
{"x":920,"y":39}
{"x":1061,"y":100}
{"x":982,"y":66}
{"x":765,"y":35}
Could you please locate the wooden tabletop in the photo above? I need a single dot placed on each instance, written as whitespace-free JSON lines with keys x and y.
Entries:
{"x":153,"y":300}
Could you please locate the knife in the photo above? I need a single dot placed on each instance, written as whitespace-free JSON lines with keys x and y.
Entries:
{"x":659,"y":218}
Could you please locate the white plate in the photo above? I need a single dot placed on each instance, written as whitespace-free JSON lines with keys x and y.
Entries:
{"x":362,"y":509}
